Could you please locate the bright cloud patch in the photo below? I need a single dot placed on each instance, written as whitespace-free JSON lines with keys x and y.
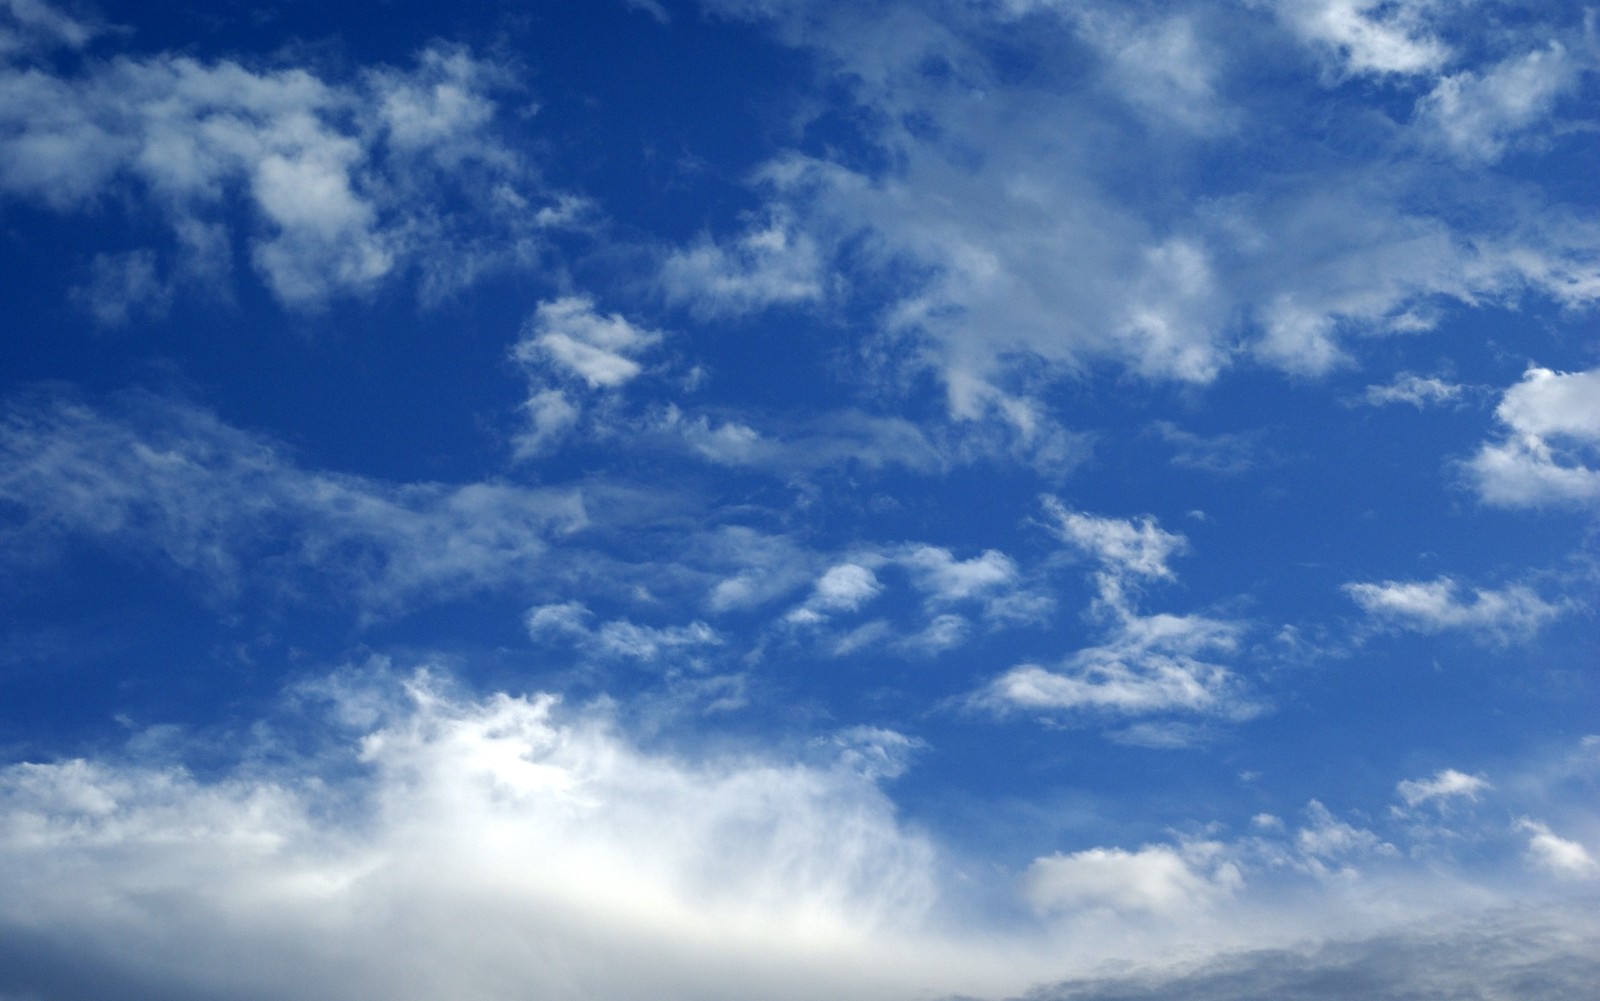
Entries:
{"x":1155,"y":879}
{"x":1442,"y":604}
{"x":1445,"y":785}
{"x":1551,"y":446}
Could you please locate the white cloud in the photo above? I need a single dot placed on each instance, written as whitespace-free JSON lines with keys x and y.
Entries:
{"x":795,"y":447}
{"x":1156,"y":879}
{"x":1135,"y":549}
{"x":1441,"y":604}
{"x":1151,"y":665}
{"x":1555,"y":854}
{"x":1478,"y":115}
{"x":228,"y":507}
{"x":1331,"y":846}
{"x":1551,"y":447}
{"x":943,"y":578}
{"x":1445,"y":784}
{"x":771,"y":266}
{"x":618,"y":638}
{"x":985,"y":188}
{"x":491,"y":848}
{"x":338,"y":181}
{"x":844,"y":587}
{"x":597,"y":348}
{"x":1148,"y":664}
{"x":1419,"y":391}
{"x":1368,"y":36}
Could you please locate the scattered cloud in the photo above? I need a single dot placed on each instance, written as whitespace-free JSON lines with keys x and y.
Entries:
{"x":1226,"y":454}
{"x":1555,"y":854}
{"x":1442,"y":604}
{"x":1148,"y":664}
{"x":171,"y":481}
{"x":596,"y":348}
{"x":1155,"y":879}
{"x":1126,"y":548}
{"x":775,"y":265}
{"x":1445,"y":785}
{"x":337,"y":178}
{"x":1416,"y":390}
{"x":1551,"y":446}
{"x":1478,"y":116}
{"x":1368,"y":36}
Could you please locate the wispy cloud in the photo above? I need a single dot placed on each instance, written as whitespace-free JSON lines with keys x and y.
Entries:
{"x":1445,"y":604}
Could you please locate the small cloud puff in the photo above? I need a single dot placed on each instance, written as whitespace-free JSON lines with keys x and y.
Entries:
{"x":1418,"y":391}
{"x":1156,"y":880}
{"x":1555,"y":854}
{"x":1551,"y":446}
{"x":596,"y":348}
{"x":1440,"y":605}
{"x":1446,"y":784}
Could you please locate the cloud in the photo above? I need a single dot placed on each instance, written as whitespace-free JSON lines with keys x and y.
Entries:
{"x":171,"y":481}
{"x":775,"y":265}
{"x":1552,"y":439}
{"x":332,"y":186}
{"x":29,"y":27}
{"x":1418,"y":391}
{"x":1226,"y":454}
{"x":1147,"y":664}
{"x":844,"y":587}
{"x":1127,"y":548}
{"x":1555,"y":854}
{"x":1439,"y":605}
{"x":618,"y":638}
{"x":389,"y":834}
{"x":598,"y":349}
{"x":1533,"y":954}
{"x":1477,"y":116}
{"x":973,"y":189}
{"x":1445,"y":784}
{"x":496,"y":847}
{"x":1156,"y":879}
{"x":1368,"y":36}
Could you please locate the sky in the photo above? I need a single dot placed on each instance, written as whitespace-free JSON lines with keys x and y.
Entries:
{"x":791,"y":499}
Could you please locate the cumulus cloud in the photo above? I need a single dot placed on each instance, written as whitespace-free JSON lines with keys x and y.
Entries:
{"x":495,"y":847}
{"x":410,"y":840}
{"x":171,"y":481}
{"x":1551,"y":446}
{"x":1443,"y":604}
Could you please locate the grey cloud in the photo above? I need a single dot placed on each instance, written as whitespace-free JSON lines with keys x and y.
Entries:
{"x":1548,"y":954}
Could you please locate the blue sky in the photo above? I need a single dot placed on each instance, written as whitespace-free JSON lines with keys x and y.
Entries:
{"x":796,"y":499}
